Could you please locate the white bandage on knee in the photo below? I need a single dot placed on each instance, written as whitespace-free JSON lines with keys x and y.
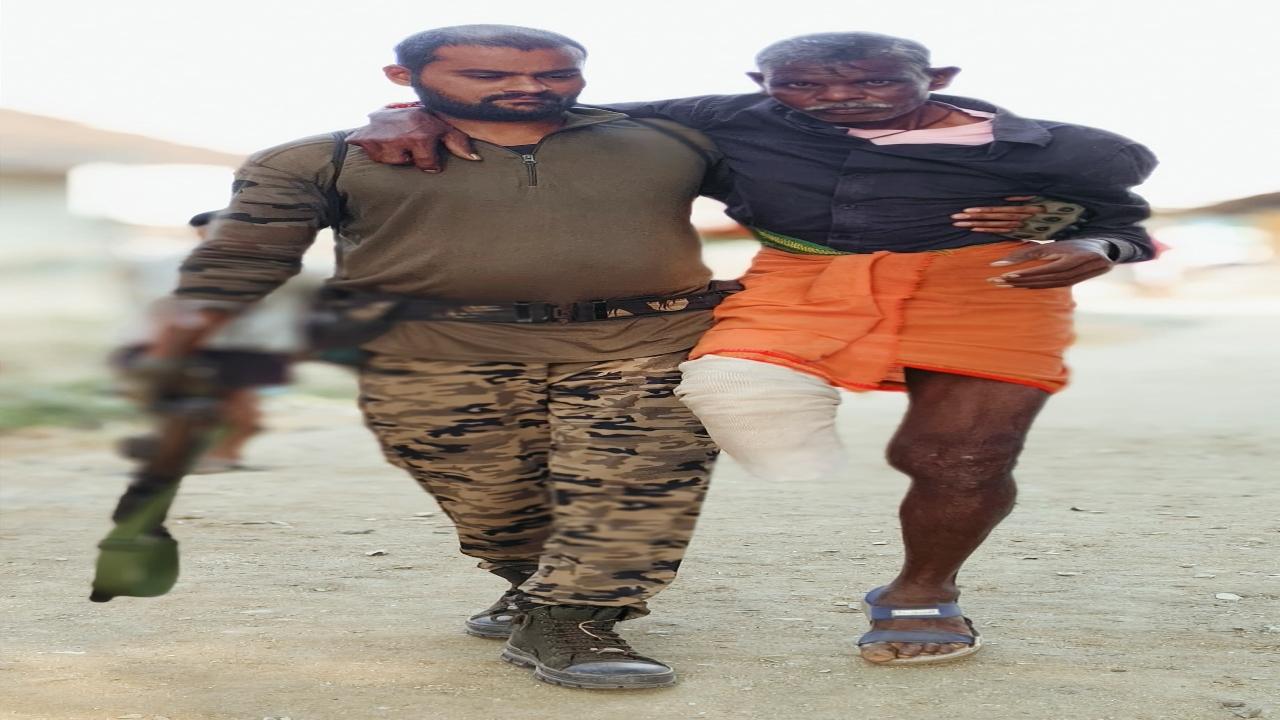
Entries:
{"x":774,"y":421}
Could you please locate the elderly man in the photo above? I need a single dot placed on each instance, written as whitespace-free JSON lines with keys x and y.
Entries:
{"x":846,"y":168}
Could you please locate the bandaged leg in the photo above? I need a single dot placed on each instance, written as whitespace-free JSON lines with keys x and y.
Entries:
{"x":774,"y":421}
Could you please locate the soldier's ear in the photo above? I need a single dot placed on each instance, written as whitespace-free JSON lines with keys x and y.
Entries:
{"x":398,"y":74}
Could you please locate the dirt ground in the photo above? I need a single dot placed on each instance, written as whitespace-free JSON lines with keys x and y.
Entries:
{"x":1147,"y":490}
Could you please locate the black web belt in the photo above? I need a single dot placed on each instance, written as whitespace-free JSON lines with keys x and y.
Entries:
{"x":535,"y":313}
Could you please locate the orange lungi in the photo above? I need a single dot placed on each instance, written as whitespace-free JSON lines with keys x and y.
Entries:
{"x":858,"y":320}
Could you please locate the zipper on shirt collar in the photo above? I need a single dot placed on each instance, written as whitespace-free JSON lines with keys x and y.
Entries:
{"x":529,"y":160}
{"x":531,"y":166}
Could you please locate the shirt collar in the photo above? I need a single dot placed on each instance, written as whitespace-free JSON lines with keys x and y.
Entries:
{"x":1005,"y":126}
{"x":578,"y":115}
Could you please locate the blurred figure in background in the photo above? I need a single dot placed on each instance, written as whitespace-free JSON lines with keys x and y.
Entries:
{"x":250,"y":353}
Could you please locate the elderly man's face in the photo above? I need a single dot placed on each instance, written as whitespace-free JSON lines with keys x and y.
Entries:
{"x":854,"y":92}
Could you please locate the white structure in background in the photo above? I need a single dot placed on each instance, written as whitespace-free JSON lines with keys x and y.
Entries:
{"x":40,"y":221}
{"x":1203,"y":243}
{"x":56,"y":250}
{"x":76,"y":200}
{"x":146,"y":195}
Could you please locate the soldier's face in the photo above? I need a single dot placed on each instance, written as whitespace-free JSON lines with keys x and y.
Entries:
{"x":475,"y":82}
{"x":854,"y":92}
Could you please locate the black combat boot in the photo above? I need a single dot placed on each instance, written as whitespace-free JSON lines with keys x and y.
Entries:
{"x":575,"y":646}
{"x":495,"y":620}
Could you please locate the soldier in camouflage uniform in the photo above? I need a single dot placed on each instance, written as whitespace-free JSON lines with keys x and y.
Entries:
{"x":557,"y":448}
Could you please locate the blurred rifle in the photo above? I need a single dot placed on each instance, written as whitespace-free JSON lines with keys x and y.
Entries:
{"x":139,"y":557}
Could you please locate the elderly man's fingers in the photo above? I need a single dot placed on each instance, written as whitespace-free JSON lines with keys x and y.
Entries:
{"x":425,"y":154}
{"x":1006,"y":212}
{"x":1026,"y":253}
{"x":1054,"y":274}
{"x":999,"y":228}
{"x":1018,"y":210}
{"x":1063,"y":263}
{"x":1052,"y":281}
{"x":999,"y":213}
{"x":459,"y":145}
{"x":1055,"y":264}
{"x":378,"y":152}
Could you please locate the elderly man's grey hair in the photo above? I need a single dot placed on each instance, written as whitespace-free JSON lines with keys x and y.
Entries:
{"x":821,"y":48}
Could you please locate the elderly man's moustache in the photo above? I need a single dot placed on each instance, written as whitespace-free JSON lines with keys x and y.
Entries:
{"x":849,"y":106}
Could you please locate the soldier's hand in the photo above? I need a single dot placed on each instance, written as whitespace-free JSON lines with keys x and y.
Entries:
{"x":153,"y":382}
{"x":405,"y":136}
{"x":184,"y":330}
{"x":144,"y":377}
{"x":1065,"y":262}
{"x":1000,"y":219}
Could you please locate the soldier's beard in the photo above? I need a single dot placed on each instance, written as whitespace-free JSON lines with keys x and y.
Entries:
{"x":554,"y":106}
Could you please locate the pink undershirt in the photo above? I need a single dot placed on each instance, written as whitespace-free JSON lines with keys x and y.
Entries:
{"x":978,"y":133}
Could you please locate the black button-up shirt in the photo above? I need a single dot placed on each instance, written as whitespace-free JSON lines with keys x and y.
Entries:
{"x":799,"y":176}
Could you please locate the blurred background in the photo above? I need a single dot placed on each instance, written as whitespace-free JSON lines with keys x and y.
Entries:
{"x":120,"y":121}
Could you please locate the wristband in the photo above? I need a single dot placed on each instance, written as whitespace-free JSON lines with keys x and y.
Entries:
{"x":403,"y":105}
{"x":1112,"y":249}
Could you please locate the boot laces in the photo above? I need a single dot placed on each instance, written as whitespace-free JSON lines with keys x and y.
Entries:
{"x":595,"y":636}
{"x":512,"y":601}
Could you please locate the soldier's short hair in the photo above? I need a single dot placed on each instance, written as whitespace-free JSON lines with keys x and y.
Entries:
{"x":416,"y":51}
{"x":840,"y":47}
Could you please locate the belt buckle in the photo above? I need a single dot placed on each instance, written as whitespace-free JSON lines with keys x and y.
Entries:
{"x":536,"y":313}
{"x":584,"y":311}
{"x":559,"y":313}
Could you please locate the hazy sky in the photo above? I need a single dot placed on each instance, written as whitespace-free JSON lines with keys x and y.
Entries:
{"x":1195,"y":82}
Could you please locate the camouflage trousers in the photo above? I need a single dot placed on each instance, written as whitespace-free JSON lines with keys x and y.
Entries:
{"x":590,"y":476}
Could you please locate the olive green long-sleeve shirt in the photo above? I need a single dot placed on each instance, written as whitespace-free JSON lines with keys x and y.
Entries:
{"x":599,"y":209}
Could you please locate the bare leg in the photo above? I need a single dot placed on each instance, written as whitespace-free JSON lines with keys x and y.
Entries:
{"x":241,"y":415}
{"x":958,"y":443}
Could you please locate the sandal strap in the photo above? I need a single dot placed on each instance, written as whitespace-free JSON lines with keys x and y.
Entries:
{"x":916,"y":636}
{"x":914,"y":612}
{"x":905,"y":612}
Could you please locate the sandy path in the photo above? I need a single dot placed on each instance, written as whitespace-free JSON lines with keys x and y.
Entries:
{"x":1167,"y":443}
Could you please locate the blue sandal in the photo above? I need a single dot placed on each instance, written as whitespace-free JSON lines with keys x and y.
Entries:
{"x":874,"y":611}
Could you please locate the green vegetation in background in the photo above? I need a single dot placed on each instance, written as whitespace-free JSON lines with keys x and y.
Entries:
{"x":90,"y":402}
{"x":81,"y":404}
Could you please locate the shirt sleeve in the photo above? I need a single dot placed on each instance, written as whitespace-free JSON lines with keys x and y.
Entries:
{"x":257,"y":243}
{"x":699,"y":112}
{"x":717,"y":182}
{"x":1115,"y":212}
